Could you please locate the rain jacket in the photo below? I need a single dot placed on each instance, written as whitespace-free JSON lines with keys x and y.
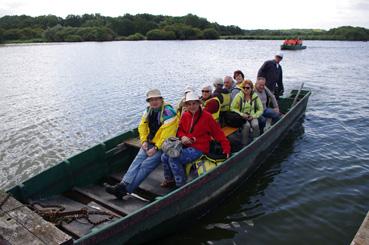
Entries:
{"x":253,"y":108}
{"x":203,"y":129}
{"x":169,"y":124}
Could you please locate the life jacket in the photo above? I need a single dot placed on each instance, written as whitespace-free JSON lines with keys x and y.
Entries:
{"x":202,"y":165}
{"x":226,"y":105}
{"x":253,"y":103}
{"x":215,"y":114}
{"x":160,"y":117}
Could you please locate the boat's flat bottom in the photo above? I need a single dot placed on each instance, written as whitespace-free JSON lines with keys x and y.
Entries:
{"x":94,"y":198}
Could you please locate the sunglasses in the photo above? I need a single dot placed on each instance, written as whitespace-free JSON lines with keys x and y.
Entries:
{"x":205,"y":91}
{"x":246,"y":87}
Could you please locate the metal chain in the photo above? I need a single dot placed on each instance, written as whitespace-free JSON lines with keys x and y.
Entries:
{"x":56,"y":214}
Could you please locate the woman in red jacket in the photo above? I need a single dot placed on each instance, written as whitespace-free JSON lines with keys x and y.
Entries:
{"x":196,"y":129}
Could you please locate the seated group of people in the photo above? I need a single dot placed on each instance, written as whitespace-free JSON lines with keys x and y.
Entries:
{"x":196,"y":121}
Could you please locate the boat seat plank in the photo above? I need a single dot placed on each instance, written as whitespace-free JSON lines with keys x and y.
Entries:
{"x":134,"y":142}
{"x":228,"y":130}
{"x":76,"y":228}
{"x":126,"y":205}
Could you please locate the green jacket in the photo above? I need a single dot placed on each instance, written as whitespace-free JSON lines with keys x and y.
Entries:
{"x":242,"y":107}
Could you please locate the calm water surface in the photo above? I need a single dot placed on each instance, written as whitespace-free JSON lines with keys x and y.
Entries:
{"x":59,"y":99}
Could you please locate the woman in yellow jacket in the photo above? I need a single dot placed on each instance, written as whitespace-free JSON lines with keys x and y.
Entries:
{"x":248,"y":105}
{"x":158,"y":123}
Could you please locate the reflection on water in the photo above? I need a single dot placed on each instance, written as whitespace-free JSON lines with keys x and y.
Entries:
{"x":59,"y":99}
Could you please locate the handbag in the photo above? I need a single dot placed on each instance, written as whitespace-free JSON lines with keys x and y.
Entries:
{"x":172,"y":146}
{"x":233,"y":119}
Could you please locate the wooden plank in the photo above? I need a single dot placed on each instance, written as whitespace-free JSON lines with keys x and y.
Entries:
{"x":19,"y":215}
{"x":98,"y":194}
{"x":8,"y":202}
{"x":151,"y":184}
{"x":135,"y":142}
{"x":11,"y":232}
{"x":153,"y":181}
{"x":44,"y":230}
{"x":362,"y":235}
{"x":229,"y":130}
{"x":81,"y":227}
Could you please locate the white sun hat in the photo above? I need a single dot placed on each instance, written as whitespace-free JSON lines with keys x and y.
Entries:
{"x":191,"y":96}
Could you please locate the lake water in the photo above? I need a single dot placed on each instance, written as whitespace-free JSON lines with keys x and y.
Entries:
{"x":59,"y":99}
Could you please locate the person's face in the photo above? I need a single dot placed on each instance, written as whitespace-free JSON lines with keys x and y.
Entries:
{"x":247,"y":89}
{"x":155,"y":102}
{"x":260,"y":85}
{"x":239,"y":78}
{"x":192,"y":106}
{"x":205,"y":92}
{"x":228,"y":84}
{"x":278,"y":59}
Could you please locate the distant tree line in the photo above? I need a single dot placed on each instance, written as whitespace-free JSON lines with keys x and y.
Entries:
{"x":95,"y":27}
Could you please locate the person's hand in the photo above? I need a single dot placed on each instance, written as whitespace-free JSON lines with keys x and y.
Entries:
{"x":186,"y":141}
{"x":250,"y":118}
{"x":276,"y":110}
{"x":245,"y":116}
{"x":145,"y":146}
{"x":227,"y":155}
{"x":151,"y":152}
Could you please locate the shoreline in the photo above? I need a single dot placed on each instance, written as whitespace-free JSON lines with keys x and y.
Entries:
{"x":223,"y":38}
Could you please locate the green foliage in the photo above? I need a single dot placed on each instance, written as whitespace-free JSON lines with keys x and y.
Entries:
{"x":95,"y":27}
{"x":157,"y":34}
{"x":135,"y":37}
{"x":72,"y":38}
{"x":1,"y":35}
{"x":184,"y":32}
{"x":210,"y":33}
{"x":77,"y":34}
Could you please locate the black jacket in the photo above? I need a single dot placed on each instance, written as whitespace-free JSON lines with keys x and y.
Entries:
{"x":273,"y":76}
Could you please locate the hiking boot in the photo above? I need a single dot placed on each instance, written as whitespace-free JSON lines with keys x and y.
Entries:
{"x":118,"y":190}
{"x":168,"y":184}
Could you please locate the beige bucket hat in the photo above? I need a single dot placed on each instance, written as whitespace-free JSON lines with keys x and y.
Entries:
{"x":154,"y":93}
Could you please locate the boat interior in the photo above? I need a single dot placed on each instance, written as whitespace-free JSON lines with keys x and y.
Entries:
{"x":71,"y":194}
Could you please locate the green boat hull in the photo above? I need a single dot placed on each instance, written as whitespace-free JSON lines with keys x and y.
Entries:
{"x":292,"y":47}
{"x":162,"y":215}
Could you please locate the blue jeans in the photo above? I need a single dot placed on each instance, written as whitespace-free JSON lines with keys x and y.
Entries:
{"x":174,"y":167}
{"x":268,"y":113}
{"x":140,"y":168}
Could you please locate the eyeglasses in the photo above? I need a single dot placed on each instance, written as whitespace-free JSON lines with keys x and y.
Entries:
{"x":205,"y":91}
{"x":246,"y":87}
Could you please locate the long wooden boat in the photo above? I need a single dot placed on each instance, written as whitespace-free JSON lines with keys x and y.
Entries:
{"x":75,"y":186}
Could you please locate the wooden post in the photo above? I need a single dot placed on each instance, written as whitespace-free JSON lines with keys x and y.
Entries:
{"x":362,"y":235}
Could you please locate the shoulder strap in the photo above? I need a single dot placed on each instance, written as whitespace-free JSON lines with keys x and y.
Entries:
{"x":196,"y":120}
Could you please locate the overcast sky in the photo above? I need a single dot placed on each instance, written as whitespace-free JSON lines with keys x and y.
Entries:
{"x":254,"y":14}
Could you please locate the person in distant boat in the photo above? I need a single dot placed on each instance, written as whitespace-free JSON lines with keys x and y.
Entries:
{"x":181,"y":105}
{"x":271,"y":70}
{"x":248,"y":105}
{"x":196,"y":129}
{"x":158,"y":123}
{"x":238,"y":77}
{"x":210,"y":103}
{"x":267,"y":98}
